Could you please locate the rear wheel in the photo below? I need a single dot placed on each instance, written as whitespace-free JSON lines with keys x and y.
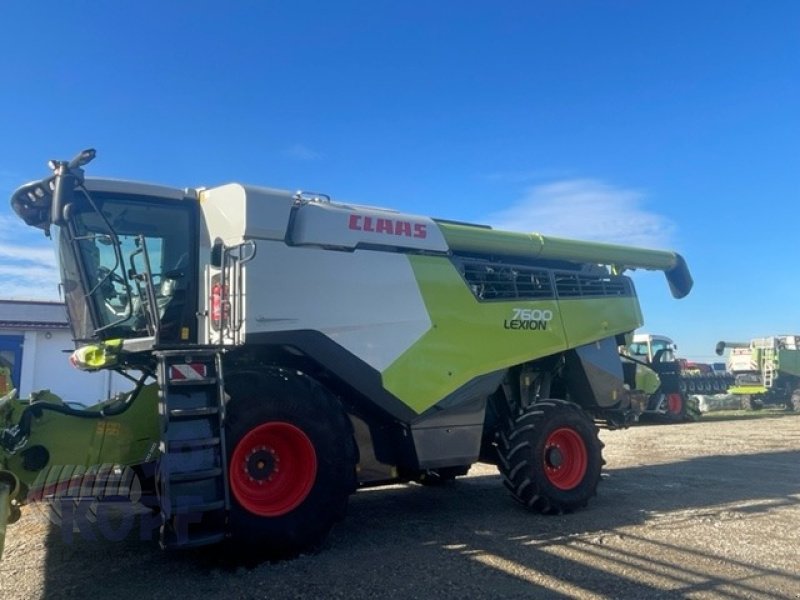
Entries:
{"x":551,"y":456}
{"x":291,"y":462}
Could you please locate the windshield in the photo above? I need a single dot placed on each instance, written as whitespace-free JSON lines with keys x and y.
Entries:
{"x":665,"y":348}
{"x":656,"y":350}
{"x":103,"y":260}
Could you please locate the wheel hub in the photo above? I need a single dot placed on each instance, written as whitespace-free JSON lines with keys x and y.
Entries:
{"x":553,"y":457}
{"x":565,"y":458}
{"x":262,"y":464}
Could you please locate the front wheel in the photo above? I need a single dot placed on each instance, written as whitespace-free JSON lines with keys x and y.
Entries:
{"x":291,"y":462}
{"x":551,"y":457}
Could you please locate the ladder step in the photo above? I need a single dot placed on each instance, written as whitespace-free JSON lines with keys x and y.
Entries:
{"x":200,"y":411}
{"x":189,"y":382}
{"x":196,"y":475}
{"x":199,"y":508}
{"x":179,"y":445}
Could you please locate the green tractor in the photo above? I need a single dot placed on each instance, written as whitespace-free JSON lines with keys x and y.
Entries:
{"x":285,"y":349}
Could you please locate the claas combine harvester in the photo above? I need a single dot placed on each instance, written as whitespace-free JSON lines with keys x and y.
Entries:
{"x":285,"y":349}
{"x":766,"y":370}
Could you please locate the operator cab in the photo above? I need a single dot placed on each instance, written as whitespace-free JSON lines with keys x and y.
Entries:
{"x":127,"y":254}
{"x":652,"y":348}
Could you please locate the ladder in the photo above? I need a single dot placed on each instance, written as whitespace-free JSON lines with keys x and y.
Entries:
{"x":768,"y":367}
{"x":191,"y":478}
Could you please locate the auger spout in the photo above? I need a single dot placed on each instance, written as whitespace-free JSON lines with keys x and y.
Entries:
{"x":720,"y":348}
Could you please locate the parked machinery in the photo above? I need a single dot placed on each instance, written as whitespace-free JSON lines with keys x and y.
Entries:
{"x":766,"y":370}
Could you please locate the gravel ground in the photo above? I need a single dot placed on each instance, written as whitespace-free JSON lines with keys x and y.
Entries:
{"x":698,"y":510}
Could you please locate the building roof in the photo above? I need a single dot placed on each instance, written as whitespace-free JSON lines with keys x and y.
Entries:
{"x":32,"y":314}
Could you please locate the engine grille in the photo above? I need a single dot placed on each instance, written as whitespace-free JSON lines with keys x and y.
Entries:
{"x":571,"y":285}
{"x":500,"y":281}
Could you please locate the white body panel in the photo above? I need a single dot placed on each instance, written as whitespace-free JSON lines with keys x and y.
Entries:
{"x":741,"y":360}
{"x":340,"y":225}
{"x":235,"y":213}
{"x":367,"y":302}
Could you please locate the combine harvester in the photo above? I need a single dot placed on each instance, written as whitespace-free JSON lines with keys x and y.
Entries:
{"x":766,"y":371}
{"x":286,"y":349}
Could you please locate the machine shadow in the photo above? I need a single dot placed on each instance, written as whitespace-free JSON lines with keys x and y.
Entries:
{"x":467,"y":539}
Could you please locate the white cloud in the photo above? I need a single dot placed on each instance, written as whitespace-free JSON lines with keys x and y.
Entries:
{"x":301,"y":152}
{"x":37,"y":254}
{"x":28,"y":267}
{"x":587,"y":209}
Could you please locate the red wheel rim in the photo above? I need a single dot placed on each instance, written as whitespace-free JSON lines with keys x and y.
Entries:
{"x":272,"y":469}
{"x":565,"y":458}
{"x":674,"y":403}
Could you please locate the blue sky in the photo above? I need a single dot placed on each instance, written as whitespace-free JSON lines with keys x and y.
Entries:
{"x":672,"y":125}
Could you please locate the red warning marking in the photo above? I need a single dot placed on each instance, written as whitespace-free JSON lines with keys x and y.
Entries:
{"x":187,"y":372}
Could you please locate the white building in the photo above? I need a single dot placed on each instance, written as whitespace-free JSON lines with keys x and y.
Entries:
{"x":35,"y":340}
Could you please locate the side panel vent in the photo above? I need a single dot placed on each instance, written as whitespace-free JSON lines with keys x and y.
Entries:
{"x":492,"y":280}
{"x":497,"y":281}
{"x":578,"y":285}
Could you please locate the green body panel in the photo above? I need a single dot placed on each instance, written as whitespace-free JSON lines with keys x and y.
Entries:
{"x":129,"y":438}
{"x":469,"y":338}
{"x":591,"y":319}
{"x":647,"y":380}
{"x":789,"y":362}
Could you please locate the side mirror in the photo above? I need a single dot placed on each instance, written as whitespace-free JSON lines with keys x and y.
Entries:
{"x":63,"y":189}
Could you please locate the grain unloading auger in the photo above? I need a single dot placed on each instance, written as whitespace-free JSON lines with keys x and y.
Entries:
{"x":285,"y":350}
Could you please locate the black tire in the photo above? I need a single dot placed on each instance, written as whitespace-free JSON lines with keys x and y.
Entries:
{"x":551,"y":457}
{"x":750,"y":402}
{"x":281,"y":413}
{"x":691,"y":411}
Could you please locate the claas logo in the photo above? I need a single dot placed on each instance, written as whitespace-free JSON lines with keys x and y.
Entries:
{"x":388,"y":226}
